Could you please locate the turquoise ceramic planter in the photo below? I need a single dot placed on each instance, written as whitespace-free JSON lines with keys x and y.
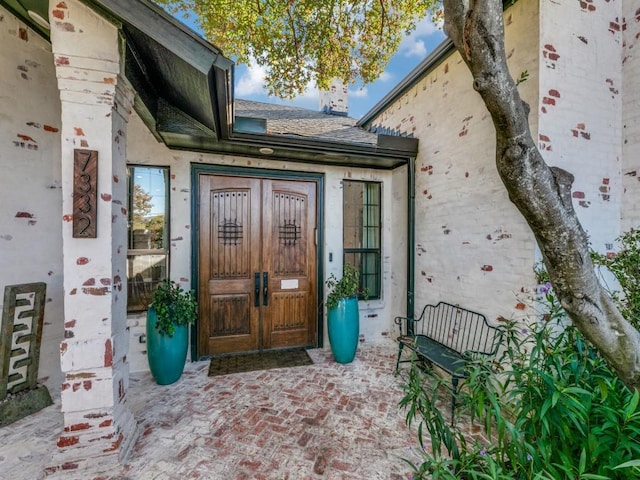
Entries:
{"x":343,"y":323}
{"x":166,"y":355}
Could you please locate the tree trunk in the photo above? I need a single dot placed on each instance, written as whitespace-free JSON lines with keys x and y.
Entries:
{"x":541,"y":193}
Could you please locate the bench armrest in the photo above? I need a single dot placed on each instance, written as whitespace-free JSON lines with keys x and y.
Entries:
{"x":402,"y":323}
{"x":402,"y":320}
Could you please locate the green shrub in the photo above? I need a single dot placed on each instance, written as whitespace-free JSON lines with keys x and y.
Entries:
{"x":625,"y":266}
{"x":549,"y":405}
{"x":175,"y":307}
{"x":348,"y":286}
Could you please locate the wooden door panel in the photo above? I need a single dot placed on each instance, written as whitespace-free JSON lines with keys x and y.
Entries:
{"x":228,"y":257}
{"x":289,"y":227}
{"x":289,"y":319}
{"x":229,"y":314}
{"x":249,"y":227}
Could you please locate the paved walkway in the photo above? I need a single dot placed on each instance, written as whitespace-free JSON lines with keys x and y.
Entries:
{"x":323,"y":421}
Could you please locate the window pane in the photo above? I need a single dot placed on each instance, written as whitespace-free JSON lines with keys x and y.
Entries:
{"x":352,"y":220}
{"x":371,"y":213}
{"x":361,"y":223}
{"x":369,"y":265}
{"x":148,"y":207}
{"x":144,"y":272}
{"x":147,"y":259}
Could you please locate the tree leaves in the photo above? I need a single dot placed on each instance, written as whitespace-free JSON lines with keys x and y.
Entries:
{"x":303,"y":41}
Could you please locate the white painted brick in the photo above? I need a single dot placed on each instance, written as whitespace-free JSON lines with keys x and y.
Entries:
{"x":631,"y":118}
{"x":94,"y":393}
{"x":460,"y":200}
{"x":30,"y":244}
{"x":581,"y":78}
{"x":79,"y":355}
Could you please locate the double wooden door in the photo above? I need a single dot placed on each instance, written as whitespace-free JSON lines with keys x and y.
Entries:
{"x":257,"y":264}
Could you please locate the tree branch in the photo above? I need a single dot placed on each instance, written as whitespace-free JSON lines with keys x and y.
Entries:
{"x":542,"y":194}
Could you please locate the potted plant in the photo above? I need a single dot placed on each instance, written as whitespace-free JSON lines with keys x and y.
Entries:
{"x":343,"y":322}
{"x":171,"y":311}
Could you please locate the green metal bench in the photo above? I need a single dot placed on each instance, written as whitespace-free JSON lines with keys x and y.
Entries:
{"x":446,"y":335}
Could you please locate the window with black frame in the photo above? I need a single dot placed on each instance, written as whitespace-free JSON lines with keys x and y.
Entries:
{"x":361,"y":226}
{"x":148,"y":244}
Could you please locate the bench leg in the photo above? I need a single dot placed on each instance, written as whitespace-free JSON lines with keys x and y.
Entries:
{"x":400,"y":345}
{"x":454,"y":393}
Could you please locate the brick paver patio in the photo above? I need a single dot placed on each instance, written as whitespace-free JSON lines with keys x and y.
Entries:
{"x":323,"y":421}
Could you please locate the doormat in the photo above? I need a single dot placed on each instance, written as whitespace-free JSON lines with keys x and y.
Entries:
{"x":259,"y":361}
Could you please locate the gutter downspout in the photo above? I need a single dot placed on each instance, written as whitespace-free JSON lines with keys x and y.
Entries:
{"x":411,"y":234}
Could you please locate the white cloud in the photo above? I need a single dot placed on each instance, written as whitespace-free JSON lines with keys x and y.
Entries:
{"x":413,"y":45}
{"x":310,"y":98}
{"x":361,"y":92}
{"x":250,"y":86}
{"x":426,"y":27}
{"x":251,"y":82}
{"x":386,"y":76}
{"x":414,"y":48}
{"x":310,"y":92}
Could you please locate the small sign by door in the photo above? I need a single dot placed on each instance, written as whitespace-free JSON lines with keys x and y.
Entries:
{"x":85,"y":193}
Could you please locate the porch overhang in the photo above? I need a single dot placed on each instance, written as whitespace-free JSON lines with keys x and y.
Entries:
{"x":390,"y":153}
{"x":183,"y":83}
{"x":184,"y":92}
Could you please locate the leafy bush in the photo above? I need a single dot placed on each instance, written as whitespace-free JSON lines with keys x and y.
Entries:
{"x":348,"y":286}
{"x":174,"y":306}
{"x":625,"y":265}
{"x":550,"y":408}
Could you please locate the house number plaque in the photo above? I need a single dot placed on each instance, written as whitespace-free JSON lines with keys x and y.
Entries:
{"x":85,"y":193}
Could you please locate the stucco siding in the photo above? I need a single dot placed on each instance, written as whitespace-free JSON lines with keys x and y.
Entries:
{"x":472,"y":246}
{"x":631,"y":116}
{"x":31,"y":213}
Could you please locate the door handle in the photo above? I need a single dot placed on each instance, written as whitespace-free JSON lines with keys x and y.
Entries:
{"x":265,"y":288}
{"x":256,"y":289}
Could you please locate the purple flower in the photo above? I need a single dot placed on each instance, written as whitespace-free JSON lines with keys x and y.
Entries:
{"x":544,"y":288}
{"x":483,"y":453}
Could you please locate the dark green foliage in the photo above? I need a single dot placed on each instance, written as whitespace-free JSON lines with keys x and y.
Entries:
{"x":524,"y":76}
{"x":175,"y":307}
{"x":347,"y":286}
{"x":625,"y":265}
{"x":553,"y":410}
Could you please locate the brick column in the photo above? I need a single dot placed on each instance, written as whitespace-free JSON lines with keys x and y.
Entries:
{"x":96,"y":101}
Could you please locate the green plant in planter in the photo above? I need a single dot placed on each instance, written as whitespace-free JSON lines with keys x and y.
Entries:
{"x":174,"y":306}
{"x":348,"y":286}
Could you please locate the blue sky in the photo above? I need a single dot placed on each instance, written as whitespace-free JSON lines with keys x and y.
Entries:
{"x":415,"y":47}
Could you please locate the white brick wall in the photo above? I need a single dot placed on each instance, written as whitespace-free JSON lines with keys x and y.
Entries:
{"x":30,"y":188}
{"x":579,"y":110}
{"x":335,"y":98}
{"x":631,"y":117}
{"x":472,"y":246}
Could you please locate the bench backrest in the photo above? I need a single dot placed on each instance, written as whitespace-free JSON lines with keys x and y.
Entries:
{"x":459,"y":329}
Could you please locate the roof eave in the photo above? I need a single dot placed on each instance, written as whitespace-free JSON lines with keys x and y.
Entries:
{"x":205,"y":93}
{"x":442,"y":51}
{"x":384,"y":155}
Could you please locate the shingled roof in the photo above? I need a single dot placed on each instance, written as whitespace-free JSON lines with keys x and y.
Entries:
{"x":303,"y":123}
